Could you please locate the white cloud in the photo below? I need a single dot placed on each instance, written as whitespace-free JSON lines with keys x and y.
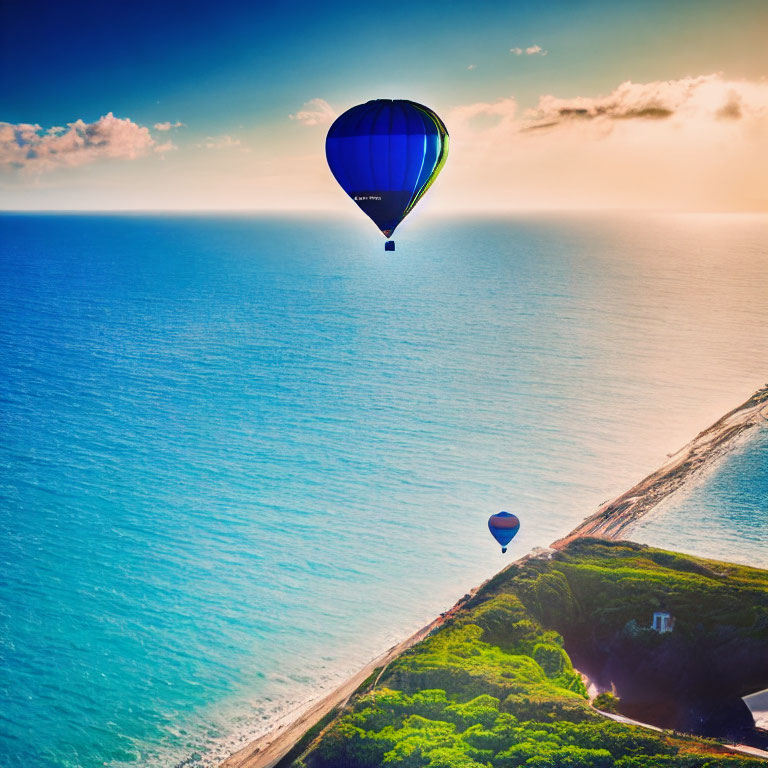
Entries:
{"x":223,"y":142}
{"x":315,"y":112}
{"x":697,"y":143}
{"x":27,"y":146}
{"x":166,"y":126}
{"x":479,"y":127}
{"x":531,"y":50}
{"x":483,"y":120}
{"x":704,"y":97}
{"x":472,"y":66}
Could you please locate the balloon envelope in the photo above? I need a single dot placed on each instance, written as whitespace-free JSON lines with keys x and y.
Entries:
{"x":385,"y":154}
{"x":503,"y":527}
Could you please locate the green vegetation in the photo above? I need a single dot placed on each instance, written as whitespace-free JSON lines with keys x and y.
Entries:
{"x":495,"y":688}
{"x":601,"y":596}
{"x":606,"y":702}
{"x":307,"y":738}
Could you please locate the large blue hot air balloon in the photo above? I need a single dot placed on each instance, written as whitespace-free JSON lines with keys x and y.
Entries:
{"x":385,"y":154}
{"x":503,"y":527}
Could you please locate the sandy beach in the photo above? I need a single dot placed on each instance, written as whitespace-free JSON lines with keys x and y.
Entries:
{"x":615,"y":516}
{"x":610,"y":521}
{"x":270,"y":748}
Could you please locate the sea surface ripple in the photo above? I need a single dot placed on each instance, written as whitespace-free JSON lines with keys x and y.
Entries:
{"x":240,"y":456}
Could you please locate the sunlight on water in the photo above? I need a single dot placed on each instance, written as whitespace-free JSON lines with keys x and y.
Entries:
{"x":241,"y":456}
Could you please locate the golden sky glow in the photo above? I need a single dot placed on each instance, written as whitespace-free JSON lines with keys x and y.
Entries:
{"x":694,"y":144}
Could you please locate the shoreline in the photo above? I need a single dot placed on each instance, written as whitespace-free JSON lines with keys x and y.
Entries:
{"x":267,"y":750}
{"x":615,"y":516}
{"x":609,"y":522}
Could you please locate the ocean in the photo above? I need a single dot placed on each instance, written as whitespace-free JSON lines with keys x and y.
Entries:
{"x":242,"y":455}
{"x":722,"y":512}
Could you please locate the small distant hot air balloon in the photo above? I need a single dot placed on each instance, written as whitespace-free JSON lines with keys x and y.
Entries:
{"x":385,"y":154}
{"x":503,"y":527}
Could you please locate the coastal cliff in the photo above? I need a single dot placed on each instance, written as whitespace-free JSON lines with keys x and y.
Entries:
{"x":495,"y":685}
{"x":602,"y":597}
{"x":493,"y":681}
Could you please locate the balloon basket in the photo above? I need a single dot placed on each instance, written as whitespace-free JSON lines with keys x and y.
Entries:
{"x":389,"y":245}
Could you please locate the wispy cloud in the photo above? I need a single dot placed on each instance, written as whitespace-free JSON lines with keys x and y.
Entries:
{"x":698,"y":143}
{"x":485,"y":120}
{"x":28,"y":146}
{"x":167,"y":126}
{"x":472,"y":66}
{"x":531,"y":50}
{"x":315,"y":112}
{"x":223,"y":142}
{"x":704,"y":97}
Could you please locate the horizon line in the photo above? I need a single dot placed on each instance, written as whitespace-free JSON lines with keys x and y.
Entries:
{"x":427,"y":214}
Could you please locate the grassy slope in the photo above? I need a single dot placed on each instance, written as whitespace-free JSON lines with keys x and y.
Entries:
{"x":495,"y":687}
{"x":601,"y":597}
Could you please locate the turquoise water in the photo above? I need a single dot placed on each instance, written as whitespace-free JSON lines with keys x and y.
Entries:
{"x":722,"y":513}
{"x":241,"y":456}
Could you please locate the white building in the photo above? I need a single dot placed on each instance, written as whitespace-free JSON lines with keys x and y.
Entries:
{"x":662,"y":622}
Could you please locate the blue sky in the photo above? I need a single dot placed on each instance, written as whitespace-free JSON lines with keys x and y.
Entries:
{"x":239,"y":69}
